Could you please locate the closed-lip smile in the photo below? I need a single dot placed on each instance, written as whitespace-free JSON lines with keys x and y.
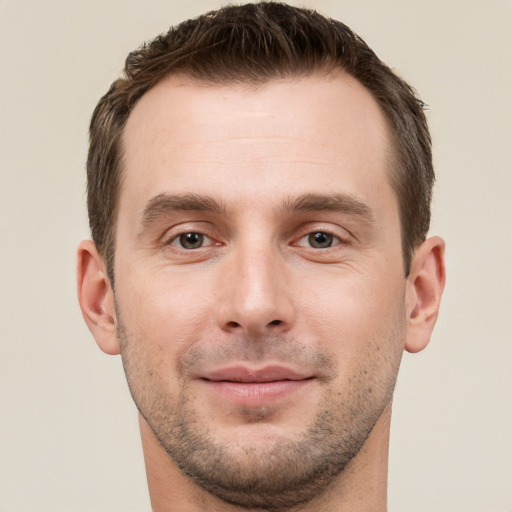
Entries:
{"x":255,"y":386}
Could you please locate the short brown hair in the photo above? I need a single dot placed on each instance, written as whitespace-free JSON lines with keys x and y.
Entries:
{"x":256,"y":43}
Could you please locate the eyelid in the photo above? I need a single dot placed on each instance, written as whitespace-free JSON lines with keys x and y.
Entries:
{"x":173,"y":233}
{"x":176,"y":241}
{"x":341,"y":235}
{"x":336,"y":242}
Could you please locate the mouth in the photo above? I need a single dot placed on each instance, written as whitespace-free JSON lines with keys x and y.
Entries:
{"x":255,"y":387}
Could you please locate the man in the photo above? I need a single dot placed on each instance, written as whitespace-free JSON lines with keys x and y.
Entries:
{"x":259,"y":188}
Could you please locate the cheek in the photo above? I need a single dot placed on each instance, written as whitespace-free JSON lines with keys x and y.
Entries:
{"x":365,"y":332}
{"x":165,"y":311}
{"x":160,"y":319}
{"x":355,"y":314}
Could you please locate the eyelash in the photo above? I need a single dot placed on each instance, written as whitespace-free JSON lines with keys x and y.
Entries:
{"x":177,"y":240}
{"x":337,"y":240}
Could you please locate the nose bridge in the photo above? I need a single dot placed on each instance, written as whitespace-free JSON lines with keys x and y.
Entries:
{"x":256,"y":298}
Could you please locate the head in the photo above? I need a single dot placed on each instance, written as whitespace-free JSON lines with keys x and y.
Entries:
{"x":252,"y":189}
{"x":255,"y":44}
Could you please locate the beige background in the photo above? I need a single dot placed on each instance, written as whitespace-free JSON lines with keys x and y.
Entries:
{"x":68,"y":433}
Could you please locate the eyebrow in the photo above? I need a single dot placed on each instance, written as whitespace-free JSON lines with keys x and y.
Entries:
{"x":163,"y":204}
{"x":343,"y":203}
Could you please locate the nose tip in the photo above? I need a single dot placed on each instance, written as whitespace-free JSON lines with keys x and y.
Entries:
{"x":256,"y":300}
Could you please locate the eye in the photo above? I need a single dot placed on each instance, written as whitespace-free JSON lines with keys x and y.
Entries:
{"x":323,"y":242}
{"x":320,"y":240}
{"x":191,"y":240}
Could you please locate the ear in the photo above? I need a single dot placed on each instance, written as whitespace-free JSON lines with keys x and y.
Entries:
{"x":425,"y":286}
{"x":96,"y":297}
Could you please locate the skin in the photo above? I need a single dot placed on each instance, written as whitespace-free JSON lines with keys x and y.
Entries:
{"x":250,"y":171}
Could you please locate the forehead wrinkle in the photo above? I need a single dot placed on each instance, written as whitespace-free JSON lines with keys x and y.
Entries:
{"x":163,"y":204}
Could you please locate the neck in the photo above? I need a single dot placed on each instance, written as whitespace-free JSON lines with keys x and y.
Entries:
{"x":361,"y":487}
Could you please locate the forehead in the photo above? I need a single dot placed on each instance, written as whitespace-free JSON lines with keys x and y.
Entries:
{"x":293,"y":134}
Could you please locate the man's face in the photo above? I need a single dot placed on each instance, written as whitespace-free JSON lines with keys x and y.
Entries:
{"x":260,"y":285}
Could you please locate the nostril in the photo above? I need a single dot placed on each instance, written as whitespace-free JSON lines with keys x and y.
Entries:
{"x":235,"y":326}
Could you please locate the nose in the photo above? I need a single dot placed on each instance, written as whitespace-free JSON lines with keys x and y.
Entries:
{"x":255,"y":297}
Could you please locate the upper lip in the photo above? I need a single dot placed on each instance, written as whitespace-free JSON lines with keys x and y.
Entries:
{"x":244,"y":374}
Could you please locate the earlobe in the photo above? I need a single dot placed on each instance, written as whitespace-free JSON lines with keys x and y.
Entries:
{"x":96,"y":297}
{"x":425,"y":287}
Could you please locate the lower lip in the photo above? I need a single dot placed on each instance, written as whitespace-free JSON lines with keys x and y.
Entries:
{"x":256,"y":393}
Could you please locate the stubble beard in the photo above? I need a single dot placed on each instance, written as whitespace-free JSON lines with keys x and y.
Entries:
{"x":283,"y":473}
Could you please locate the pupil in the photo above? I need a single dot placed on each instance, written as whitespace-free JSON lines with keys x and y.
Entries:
{"x":191,"y":240}
{"x":320,"y":240}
